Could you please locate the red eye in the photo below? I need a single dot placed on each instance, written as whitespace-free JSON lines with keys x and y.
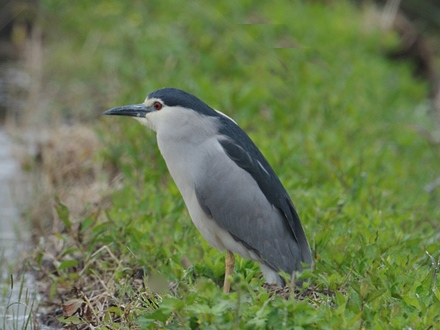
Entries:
{"x":157,"y":105}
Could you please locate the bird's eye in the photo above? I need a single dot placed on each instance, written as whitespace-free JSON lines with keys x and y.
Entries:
{"x":157,"y":105}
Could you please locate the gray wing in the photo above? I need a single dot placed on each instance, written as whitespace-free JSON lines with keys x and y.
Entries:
{"x":247,"y":199}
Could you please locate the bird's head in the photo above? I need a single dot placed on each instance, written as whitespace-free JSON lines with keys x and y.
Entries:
{"x":169,"y":107}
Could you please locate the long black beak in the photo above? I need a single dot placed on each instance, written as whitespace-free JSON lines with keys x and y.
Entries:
{"x":134,"y":110}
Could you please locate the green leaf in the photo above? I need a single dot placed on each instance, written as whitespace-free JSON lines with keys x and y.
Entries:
{"x":159,"y":315}
{"x":436,"y":293}
{"x":70,"y":320}
{"x":87,"y":223}
{"x":116,"y":310}
{"x":412,"y":301}
{"x":67,"y":264}
{"x":372,"y":295}
{"x":63,"y":213}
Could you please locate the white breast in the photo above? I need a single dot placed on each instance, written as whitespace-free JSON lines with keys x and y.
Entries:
{"x":183,"y":161}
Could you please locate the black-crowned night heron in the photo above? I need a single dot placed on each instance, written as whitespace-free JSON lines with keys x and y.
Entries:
{"x":233,"y":196}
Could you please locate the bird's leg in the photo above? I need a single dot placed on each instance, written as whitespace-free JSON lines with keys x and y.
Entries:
{"x":229,"y":263}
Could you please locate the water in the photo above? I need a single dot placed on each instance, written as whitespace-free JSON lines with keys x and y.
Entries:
{"x":16,"y":293}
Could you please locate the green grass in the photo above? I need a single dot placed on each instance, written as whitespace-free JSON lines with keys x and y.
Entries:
{"x":339,"y":123}
{"x":16,"y":303}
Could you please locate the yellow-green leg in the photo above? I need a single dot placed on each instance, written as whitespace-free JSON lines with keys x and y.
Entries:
{"x":229,"y":263}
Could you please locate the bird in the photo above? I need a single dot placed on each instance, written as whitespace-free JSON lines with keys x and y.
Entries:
{"x":232,"y":194}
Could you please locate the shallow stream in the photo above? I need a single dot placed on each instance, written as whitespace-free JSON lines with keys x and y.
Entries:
{"x":16,"y":292}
